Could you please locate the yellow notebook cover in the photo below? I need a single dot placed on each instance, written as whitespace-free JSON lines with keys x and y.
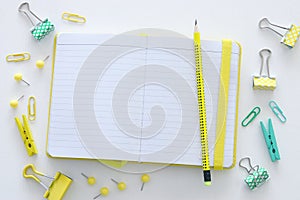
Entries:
{"x":133,"y":97}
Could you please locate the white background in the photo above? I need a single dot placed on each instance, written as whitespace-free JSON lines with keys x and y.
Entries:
{"x":232,"y":19}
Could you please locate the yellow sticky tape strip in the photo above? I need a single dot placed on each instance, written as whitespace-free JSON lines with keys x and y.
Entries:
{"x":222,"y":104}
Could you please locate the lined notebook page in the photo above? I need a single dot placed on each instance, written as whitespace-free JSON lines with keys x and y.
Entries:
{"x":134,"y":98}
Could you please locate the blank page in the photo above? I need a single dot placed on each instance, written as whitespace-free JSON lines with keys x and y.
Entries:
{"x":133,"y":98}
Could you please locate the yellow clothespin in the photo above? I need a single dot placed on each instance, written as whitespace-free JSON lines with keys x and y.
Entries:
{"x":17,"y":57}
{"x":26,"y":136}
{"x":263,"y":82}
{"x":289,"y":38}
{"x":73,"y":17}
{"x":58,"y":187}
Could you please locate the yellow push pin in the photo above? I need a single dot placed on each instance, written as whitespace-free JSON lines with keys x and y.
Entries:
{"x":91,"y":180}
{"x":19,"y":77}
{"x":145,"y":179}
{"x":104,"y":191}
{"x":121,"y":185}
{"x":14,"y":103}
{"x":41,"y":63}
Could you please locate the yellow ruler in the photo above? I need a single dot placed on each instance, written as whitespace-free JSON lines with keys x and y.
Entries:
{"x":201,"y":107}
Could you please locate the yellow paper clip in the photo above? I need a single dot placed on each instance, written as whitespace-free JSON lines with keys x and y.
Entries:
{"x":263,"y":82}
{"x":73,"y":17}
{"x":289,"y":38}
{"x":26,"y":136}
{"x":58,"y":187}
{"x":31,"y":108}
{"x":18,"y":57}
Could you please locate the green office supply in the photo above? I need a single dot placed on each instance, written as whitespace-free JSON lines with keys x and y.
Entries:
{"x":251,"y":116}
{"x":277,"y":111}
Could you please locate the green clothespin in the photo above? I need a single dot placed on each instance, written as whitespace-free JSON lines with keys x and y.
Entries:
{"x":256,"y":175}
{"x":270,"y":140}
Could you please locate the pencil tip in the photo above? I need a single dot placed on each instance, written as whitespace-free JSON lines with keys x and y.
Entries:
{"x":195,"y":22}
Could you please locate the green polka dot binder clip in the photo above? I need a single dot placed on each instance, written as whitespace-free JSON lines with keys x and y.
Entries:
{"x":256,"y":175}
{"x":41,"y":28}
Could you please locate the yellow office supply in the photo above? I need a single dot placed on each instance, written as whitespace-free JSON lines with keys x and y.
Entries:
{"x":263,"y":82}
{"x":31,"y":107}
{"x":145,"y":179}
{"x":19,"y":77}
{"x":201,"y":106}
{"x":41,"y":63}
{"x":58,"y":187}
{"x":26,"y":135}
{"x":90,"y":179}
{"x":73,"y":17}
{"x":289,"y":38}
{"x":121,"y":185}
{"x":15,"y":102}
{"x":104,"y":191}
{"x":17,"y":57}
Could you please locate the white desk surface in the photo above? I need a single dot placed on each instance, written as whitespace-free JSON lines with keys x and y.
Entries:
{"x":233,"y":19}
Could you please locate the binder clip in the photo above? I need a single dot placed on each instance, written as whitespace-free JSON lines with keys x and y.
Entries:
{"x":58,"y":187}
{"x":270,"y":140}
{"x":263,"y":82}
{"x":26,"y":136}
{"x":289,"y":38}
{"x":257,"y":176}
{"x":42,"y":28}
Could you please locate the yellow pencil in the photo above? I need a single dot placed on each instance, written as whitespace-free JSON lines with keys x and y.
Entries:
{"x":201,"y":107}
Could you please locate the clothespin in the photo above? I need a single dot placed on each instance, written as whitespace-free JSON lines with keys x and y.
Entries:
{"x":264,"y":82}
{"x":58,"y":187}
{"x":256,"y":175}
{"x":26,"y":135}
{"x":289,"y":38}
{"x":270,"y":140}
{"x":40,"y":29}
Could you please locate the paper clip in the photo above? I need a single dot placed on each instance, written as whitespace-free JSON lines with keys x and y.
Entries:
{"x":289,"y":38}
{"x":251,"y":116}
{"x":31,"y":108}
{"x":263,"y":82}
{"x":26,"y":136}
{"x":277,"y":111}
{"x":58,"y":187}
{"x":256,"y":175}
{"x":73,"y":17}
{"x":40,"y":29}
{"x":270,"y":140}
{"x":18,"y":57}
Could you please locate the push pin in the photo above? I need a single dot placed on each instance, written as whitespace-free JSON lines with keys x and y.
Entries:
{"x":40,"y":29}
{"x":289,"y":38}
{"x":256,"y":175}
{"x":121,"y":185}
{"x":41,"y":63}
{"x":19,"y":77}
{"x":145,"y":179}
{"x":263,"y":82}
{"x":15,"y":102}
{"x":104,"y":191}
{"x":91,"y":180}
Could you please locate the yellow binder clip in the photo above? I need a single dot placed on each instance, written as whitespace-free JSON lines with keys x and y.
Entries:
{"x":263,"y":82}
{"x":289,"y":38}
{"x":31,"y":108}
{"x":73,"y":17}
{"x":26,"y":136}
{"x":17,"y":57}
{"x":58,"y":187}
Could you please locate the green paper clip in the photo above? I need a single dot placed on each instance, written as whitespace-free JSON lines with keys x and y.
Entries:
{"x":42,"y":28}
{"x":270,"y":140}
{"x":251,"y":116}
{"x":277,"y":111}
{"x":256,"y":175}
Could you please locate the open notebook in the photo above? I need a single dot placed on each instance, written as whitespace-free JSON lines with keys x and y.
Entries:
{"x":133,"y":97}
